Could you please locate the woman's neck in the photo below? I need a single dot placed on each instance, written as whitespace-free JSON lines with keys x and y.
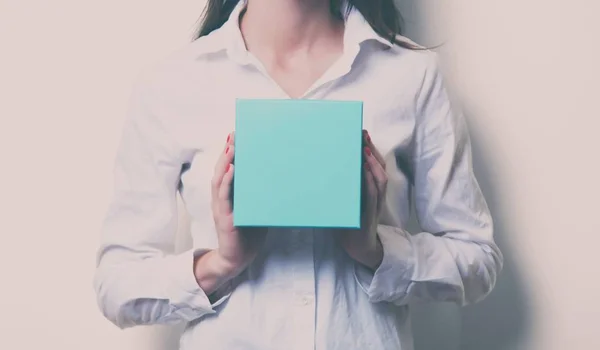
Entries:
{"x":286,"y":26}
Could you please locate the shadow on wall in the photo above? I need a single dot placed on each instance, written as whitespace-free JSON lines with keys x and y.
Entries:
{"x":502,"y":320}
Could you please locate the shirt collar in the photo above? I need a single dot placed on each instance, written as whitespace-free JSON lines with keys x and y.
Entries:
{"x":229,"y":37}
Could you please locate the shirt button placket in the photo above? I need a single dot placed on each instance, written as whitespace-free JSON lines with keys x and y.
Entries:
{"x":304,"y":292}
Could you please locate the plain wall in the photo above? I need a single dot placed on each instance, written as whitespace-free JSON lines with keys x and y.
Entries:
{"x":525,"y":72}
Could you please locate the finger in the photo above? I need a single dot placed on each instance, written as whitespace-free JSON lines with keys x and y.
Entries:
{"x":378,"y":156}
{"x":224,"y":160}
{"x":370,"y":184}
{"x":377,"y":171}
{"x":230,"y":139}
{"x":372,"y":197}
{"x":224,"y":201}
{"x":369,"y":143}
{"x":380,"y":177}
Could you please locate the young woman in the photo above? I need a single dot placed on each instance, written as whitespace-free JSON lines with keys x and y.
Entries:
{"x":293,"y":288}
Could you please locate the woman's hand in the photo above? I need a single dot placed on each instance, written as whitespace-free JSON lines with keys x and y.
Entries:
{"x":237,"y":247}
{"x":364,"y":245}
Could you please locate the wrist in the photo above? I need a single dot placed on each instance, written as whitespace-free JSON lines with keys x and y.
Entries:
{"x":371,"y":255}
{"x":212,"y":271}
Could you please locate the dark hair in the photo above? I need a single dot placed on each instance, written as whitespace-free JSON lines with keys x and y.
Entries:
{"x":382,"y":15}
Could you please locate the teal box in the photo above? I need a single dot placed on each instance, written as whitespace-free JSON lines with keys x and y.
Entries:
{"x":298,"y":163}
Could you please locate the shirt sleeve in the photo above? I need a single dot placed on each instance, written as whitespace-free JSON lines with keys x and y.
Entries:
{"x":138,"y":281}
{"x":455,"y":258}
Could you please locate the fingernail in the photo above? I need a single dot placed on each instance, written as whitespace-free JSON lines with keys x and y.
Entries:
{"x":228,"y":137}
{"x":368,"y":151}
{"x":227,"y":150}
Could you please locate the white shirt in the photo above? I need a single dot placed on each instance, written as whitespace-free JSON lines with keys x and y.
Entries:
{"x":302,"y":292}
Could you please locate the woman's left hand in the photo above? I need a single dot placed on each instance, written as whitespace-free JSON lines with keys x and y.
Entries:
{"x":363,"y":245}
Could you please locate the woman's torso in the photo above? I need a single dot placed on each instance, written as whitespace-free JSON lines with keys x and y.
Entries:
{"x":301,"y":292}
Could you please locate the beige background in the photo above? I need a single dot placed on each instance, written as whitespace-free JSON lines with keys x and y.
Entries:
{"x":526,"y":72}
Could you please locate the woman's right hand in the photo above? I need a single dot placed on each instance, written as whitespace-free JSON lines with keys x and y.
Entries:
{"x":237,"y":246}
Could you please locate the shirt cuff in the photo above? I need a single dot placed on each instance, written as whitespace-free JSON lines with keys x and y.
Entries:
{"x":185,"y":296}
{"x":391,"y":279}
